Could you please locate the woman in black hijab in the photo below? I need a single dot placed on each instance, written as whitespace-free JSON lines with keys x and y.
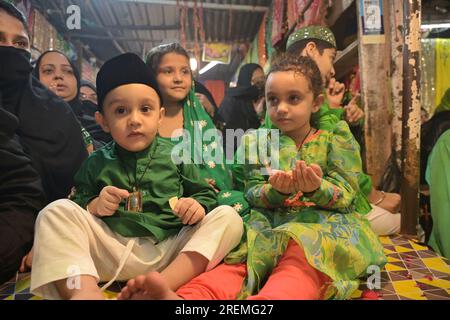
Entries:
{"x":21,"y":197}
{"x":55,"y":70}
{"x":41,"y":148}
{"x":238,"y":107}
{"x":88,"y":92}
{"x":48,"y":130}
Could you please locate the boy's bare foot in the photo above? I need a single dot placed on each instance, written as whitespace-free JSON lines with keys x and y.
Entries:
{"x":151,"y":286}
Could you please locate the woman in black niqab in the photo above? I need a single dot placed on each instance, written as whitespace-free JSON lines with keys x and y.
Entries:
{"x":237,"y":108}
{"x":48,"y":129}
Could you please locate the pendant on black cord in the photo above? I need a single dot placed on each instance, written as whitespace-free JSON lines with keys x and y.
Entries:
{"x":134,"y":201}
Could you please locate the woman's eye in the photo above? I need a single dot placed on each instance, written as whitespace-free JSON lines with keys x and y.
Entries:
{"x":22,"y":44}
{"x":47,"y":71}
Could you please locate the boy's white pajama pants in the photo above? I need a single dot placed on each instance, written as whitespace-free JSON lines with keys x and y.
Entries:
{"x":383,"y":222}
{"x":69,"y":241}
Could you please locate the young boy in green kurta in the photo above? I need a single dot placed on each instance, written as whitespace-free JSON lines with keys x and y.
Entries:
{"x":121,"y":223}
{"x":304,"y":236}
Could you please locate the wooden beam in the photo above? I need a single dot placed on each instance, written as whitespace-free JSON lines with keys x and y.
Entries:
{"x":79,"y":35}
{"x":345,"y":60}
{"x":135,"y":28}
{"x":375,"y":94}
{"x":396,"y":43}
{"x":98,"y":21}
{"x":205,"y":5}
{"x":411,"y":117}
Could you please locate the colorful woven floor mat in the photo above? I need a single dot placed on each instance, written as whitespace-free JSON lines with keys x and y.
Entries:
{"x":413,"y":272}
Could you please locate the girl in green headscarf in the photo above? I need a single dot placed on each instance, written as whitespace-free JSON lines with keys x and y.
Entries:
{"x":170,"y":64}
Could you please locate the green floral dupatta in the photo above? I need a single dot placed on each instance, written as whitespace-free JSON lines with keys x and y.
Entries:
{"x":207,"y":151}
{"x":208,"y":154}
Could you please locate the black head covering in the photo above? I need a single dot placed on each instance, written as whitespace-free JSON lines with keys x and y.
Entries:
{"x":84,"y":111}
{"x":89,"y":107}
{"x":85,"y":83}
{"x":75,"y":103}
{"x":237,"y":108}
{"x":76,"y":72}
{"x":15,"y":68}
{"x":246,"y":73}
{"x":244,"y":87}
{"x":21,"y":197}
{"x":48,"y":129}
{"x":124,"y":69}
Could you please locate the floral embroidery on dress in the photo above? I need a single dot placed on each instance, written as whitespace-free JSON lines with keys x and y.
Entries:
{"x":237,"y":207}
{"x":226,"y":195}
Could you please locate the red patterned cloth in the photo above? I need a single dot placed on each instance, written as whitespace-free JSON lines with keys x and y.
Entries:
{"x":277,"y":21}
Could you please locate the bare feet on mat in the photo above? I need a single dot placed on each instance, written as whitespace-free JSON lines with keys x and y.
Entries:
{"x":151,"y":286}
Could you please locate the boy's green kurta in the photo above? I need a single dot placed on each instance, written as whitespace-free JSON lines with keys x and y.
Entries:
{"x":438,"y":179}
{"x":162,"y":180}
{"x":337,"y":240}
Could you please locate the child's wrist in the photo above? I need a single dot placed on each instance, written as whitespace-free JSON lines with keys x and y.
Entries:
{"x":283,"y":193}
{"x":91,"y":207}
{"x":279,"y":191}
{"x":310,"y":193}
{"x":334,"y":105}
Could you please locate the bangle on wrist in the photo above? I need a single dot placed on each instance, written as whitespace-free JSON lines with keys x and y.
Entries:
{"x":383,"y":195}
{"x":308,"y":194}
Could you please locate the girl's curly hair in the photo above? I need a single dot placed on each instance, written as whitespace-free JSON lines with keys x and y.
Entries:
{"x":302,"y":65}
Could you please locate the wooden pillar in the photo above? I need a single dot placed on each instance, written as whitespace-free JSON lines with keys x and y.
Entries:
{"x":375,"y":95}
{"x":411,"y":117}
{"x":397,"y":41}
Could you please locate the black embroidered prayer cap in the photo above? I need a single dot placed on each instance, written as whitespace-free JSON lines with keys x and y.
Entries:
{"x":124,"y":69}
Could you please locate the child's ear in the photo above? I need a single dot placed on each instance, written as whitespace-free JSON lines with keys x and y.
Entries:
{"x":317,"y":103}
{"x":162,"y":112}
{"x":100,"y":119}
{"x":310,"y":49}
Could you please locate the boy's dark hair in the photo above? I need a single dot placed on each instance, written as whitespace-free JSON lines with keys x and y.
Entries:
{"x":12,"y":10}
{"x":299,"y":64}
{"x":155,"y":55}
{"x":297,"y":47}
